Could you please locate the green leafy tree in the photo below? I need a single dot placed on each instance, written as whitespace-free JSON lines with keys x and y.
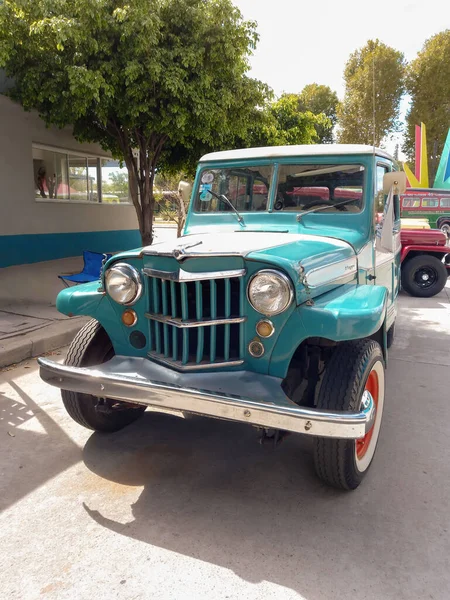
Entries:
{"x":166,"y":78}
{"x":283,"y":123}
{"x":428,"y":82}
{"x":374,"y":78}
{"x":320,"y":100}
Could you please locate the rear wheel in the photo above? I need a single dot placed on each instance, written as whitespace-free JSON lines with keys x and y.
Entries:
{"x":354,"y":372}
{"x":423,"y":276}
{"x":445,"y":227}
{"x":92,"y":346}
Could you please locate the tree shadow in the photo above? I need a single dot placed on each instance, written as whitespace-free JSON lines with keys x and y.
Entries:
{"x":33,"y":457}
{"x":212,"y":493}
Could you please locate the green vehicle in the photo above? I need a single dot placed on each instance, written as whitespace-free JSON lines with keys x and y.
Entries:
{"x":427,"y":203}
{"x":276,"y":307}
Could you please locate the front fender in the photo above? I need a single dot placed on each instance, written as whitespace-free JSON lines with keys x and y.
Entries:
{"x":86,"y":300}
{"x":346,"y":313}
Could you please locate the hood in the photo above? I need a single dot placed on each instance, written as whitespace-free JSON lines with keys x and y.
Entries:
{"x":314,"y":263}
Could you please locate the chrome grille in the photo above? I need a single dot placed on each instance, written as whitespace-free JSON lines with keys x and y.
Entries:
{"x":196,"y":320}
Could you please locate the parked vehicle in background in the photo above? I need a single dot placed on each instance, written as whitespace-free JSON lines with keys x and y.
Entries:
{"x":425,"y":261}
{"x":428,"y":203}
{"x":276,"y":308}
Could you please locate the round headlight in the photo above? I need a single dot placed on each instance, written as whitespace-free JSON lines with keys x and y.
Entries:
{"x":123,"y":283}
{"x":270,"y":292}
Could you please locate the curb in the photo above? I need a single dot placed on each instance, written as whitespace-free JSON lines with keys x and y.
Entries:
{"x":40,"y":341}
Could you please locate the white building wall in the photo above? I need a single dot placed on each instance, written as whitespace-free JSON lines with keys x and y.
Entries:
{"x":20,"y":213}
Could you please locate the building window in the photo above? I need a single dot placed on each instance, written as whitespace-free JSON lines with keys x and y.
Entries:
{"x":60,"y":175}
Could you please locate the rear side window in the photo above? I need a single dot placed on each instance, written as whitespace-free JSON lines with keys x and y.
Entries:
{"x":430,"y":202}
{"x":445,"y":202}
{"x":411,"y":202}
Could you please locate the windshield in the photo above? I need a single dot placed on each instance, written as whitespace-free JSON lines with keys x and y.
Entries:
{"x":247,"y":188}
{"x":300,"y":188}
{"x":332,"y":188}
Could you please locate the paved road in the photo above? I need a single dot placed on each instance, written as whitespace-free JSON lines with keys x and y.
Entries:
{"x":173,"y":509}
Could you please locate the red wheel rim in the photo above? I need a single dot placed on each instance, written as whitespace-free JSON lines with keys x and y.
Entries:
{"x":373,"y":388}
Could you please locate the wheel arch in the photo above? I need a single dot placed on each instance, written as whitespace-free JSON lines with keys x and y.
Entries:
{"x":347,"y":313}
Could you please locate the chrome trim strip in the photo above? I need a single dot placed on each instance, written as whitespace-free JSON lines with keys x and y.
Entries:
{"x":194,"y":366}
{"x":177,"y":322}
{"x":330,"y":273}
{"x":133,"y":386}
{"x":184,"y":276}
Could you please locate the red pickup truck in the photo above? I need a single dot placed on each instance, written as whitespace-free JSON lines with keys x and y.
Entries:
{"x":425,"y":259}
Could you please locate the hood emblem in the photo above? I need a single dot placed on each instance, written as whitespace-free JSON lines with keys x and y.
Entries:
{"x":180,"y":252}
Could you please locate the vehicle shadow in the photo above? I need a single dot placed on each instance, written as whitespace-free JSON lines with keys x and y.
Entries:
{"x":211,"y":492}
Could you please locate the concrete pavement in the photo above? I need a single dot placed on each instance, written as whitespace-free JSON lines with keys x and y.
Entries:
{"x":174,"y":509}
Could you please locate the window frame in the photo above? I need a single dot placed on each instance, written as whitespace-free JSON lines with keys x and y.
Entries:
{"x":86,"y":155}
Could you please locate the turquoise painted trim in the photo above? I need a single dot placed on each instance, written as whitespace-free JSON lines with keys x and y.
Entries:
{"x":349,"y":312}
{"x":32,"y":248}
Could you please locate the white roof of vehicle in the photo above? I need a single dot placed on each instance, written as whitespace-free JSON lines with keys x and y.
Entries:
{"x":293,"y":151}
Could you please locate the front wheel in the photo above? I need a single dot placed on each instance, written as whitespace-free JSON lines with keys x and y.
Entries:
{"x":92,"y":346}
{"x":423,"y":276}
{"x":355,"y":370}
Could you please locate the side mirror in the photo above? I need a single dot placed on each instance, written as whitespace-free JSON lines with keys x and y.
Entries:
{"x":396,"y":180}
{"x":185,"y":191}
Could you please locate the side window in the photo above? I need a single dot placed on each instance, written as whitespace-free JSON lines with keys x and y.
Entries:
{"x":411,"y":202}
{"x":445,"y":202}
{"x":380,"y":198}
{"x":430,"y":202}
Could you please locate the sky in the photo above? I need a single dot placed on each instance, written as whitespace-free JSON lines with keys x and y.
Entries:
{"x":306,"y":42}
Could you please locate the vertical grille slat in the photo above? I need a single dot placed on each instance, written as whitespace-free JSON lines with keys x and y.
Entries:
{"x":213,"y":301}
{"x":185,"y":317}
{"x":241,"y":311}
{"x":226,"y":337}
{"x":173,"y":299}
{"x":203,"y":300}
{"x":199,"y":308}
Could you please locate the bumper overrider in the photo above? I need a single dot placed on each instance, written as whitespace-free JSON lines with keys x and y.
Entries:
{"x":218,"y":395}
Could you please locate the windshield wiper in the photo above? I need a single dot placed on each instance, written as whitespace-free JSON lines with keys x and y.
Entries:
{"x":225,"y":200}
{"x":313,"y":210}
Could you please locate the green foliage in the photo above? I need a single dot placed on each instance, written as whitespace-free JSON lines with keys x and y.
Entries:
{"x":375,"y":68}
{"x":428,"y":82}
{"x":320,"y":99}
{"x":117,"y":185}
{"x":167,"y":77}
{"x":282,"y":123}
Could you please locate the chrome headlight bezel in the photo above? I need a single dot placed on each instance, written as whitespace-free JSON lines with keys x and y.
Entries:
{"x":283,"y":280}
{"x":129,"y":272}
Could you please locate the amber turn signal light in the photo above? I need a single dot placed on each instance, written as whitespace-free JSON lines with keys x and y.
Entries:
{"x":129,"y":318}
{"x":265,"y":328}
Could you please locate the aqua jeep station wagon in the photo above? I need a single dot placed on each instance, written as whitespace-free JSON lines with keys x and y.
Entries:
{"x":275,"y":308}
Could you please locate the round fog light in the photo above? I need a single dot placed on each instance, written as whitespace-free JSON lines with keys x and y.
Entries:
{"x":256,"y":349}
{"x":129,"y":318}
{"x":265,"y":328}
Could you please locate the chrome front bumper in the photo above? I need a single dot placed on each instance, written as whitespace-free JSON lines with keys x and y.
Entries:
{"x":216,"y":395}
